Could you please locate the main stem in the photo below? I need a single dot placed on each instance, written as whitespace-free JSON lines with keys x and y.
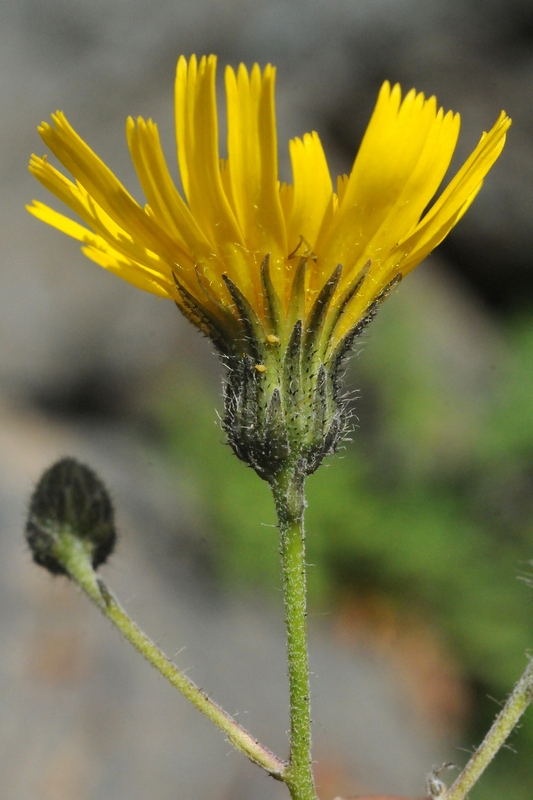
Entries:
{"x":288,"y":491}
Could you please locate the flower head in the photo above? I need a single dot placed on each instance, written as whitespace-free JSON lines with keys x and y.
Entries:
{"x":282,"y":278}
{"x":70,"y":499}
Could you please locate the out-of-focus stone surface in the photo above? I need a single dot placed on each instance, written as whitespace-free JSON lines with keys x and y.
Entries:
{"x":84,"y":717}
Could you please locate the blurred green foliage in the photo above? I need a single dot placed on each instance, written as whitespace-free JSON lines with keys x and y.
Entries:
{"x":430,"y":505}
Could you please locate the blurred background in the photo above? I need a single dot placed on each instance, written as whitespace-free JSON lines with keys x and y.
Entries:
{"x":420,"y":533}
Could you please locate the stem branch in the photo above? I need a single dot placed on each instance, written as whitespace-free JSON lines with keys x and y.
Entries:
{"x":74,"y":556}
{"x":507,"y":719}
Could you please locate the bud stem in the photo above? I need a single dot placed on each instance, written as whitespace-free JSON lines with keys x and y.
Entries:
{"x":72,"y":553}
{"x":288,"y":491}
{"x":505,"y":722}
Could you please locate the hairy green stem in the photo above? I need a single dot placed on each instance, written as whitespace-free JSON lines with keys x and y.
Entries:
{"x":288,"y":491}
{"x":505,"y":722}
{"x":74,"y":555}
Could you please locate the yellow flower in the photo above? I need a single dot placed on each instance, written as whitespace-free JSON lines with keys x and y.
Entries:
{"x":235,"y":212}
{"x":269,"y":272}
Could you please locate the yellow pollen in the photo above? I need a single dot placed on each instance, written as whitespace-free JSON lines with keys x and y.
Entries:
{"x":260,"y":368}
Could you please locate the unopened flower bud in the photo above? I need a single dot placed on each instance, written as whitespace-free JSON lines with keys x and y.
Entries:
{"x":70,"y":499}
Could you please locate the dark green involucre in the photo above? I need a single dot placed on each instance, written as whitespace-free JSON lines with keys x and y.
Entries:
{"x":71,"y":499}
{"x":283,"y":401}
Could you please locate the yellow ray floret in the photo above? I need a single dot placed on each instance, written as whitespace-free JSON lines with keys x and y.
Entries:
{"x":233,"y":211}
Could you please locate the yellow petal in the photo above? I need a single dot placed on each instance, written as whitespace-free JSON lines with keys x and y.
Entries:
{"x":198,"y":155}
{"x":404,"y":154}
{"x":458,"y":195}
{"x":312,"y":189}
{"x":103,"y":186}
{"x":128,"y":271}
{"x":167,"y":204}
{"x":253,"y":159}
